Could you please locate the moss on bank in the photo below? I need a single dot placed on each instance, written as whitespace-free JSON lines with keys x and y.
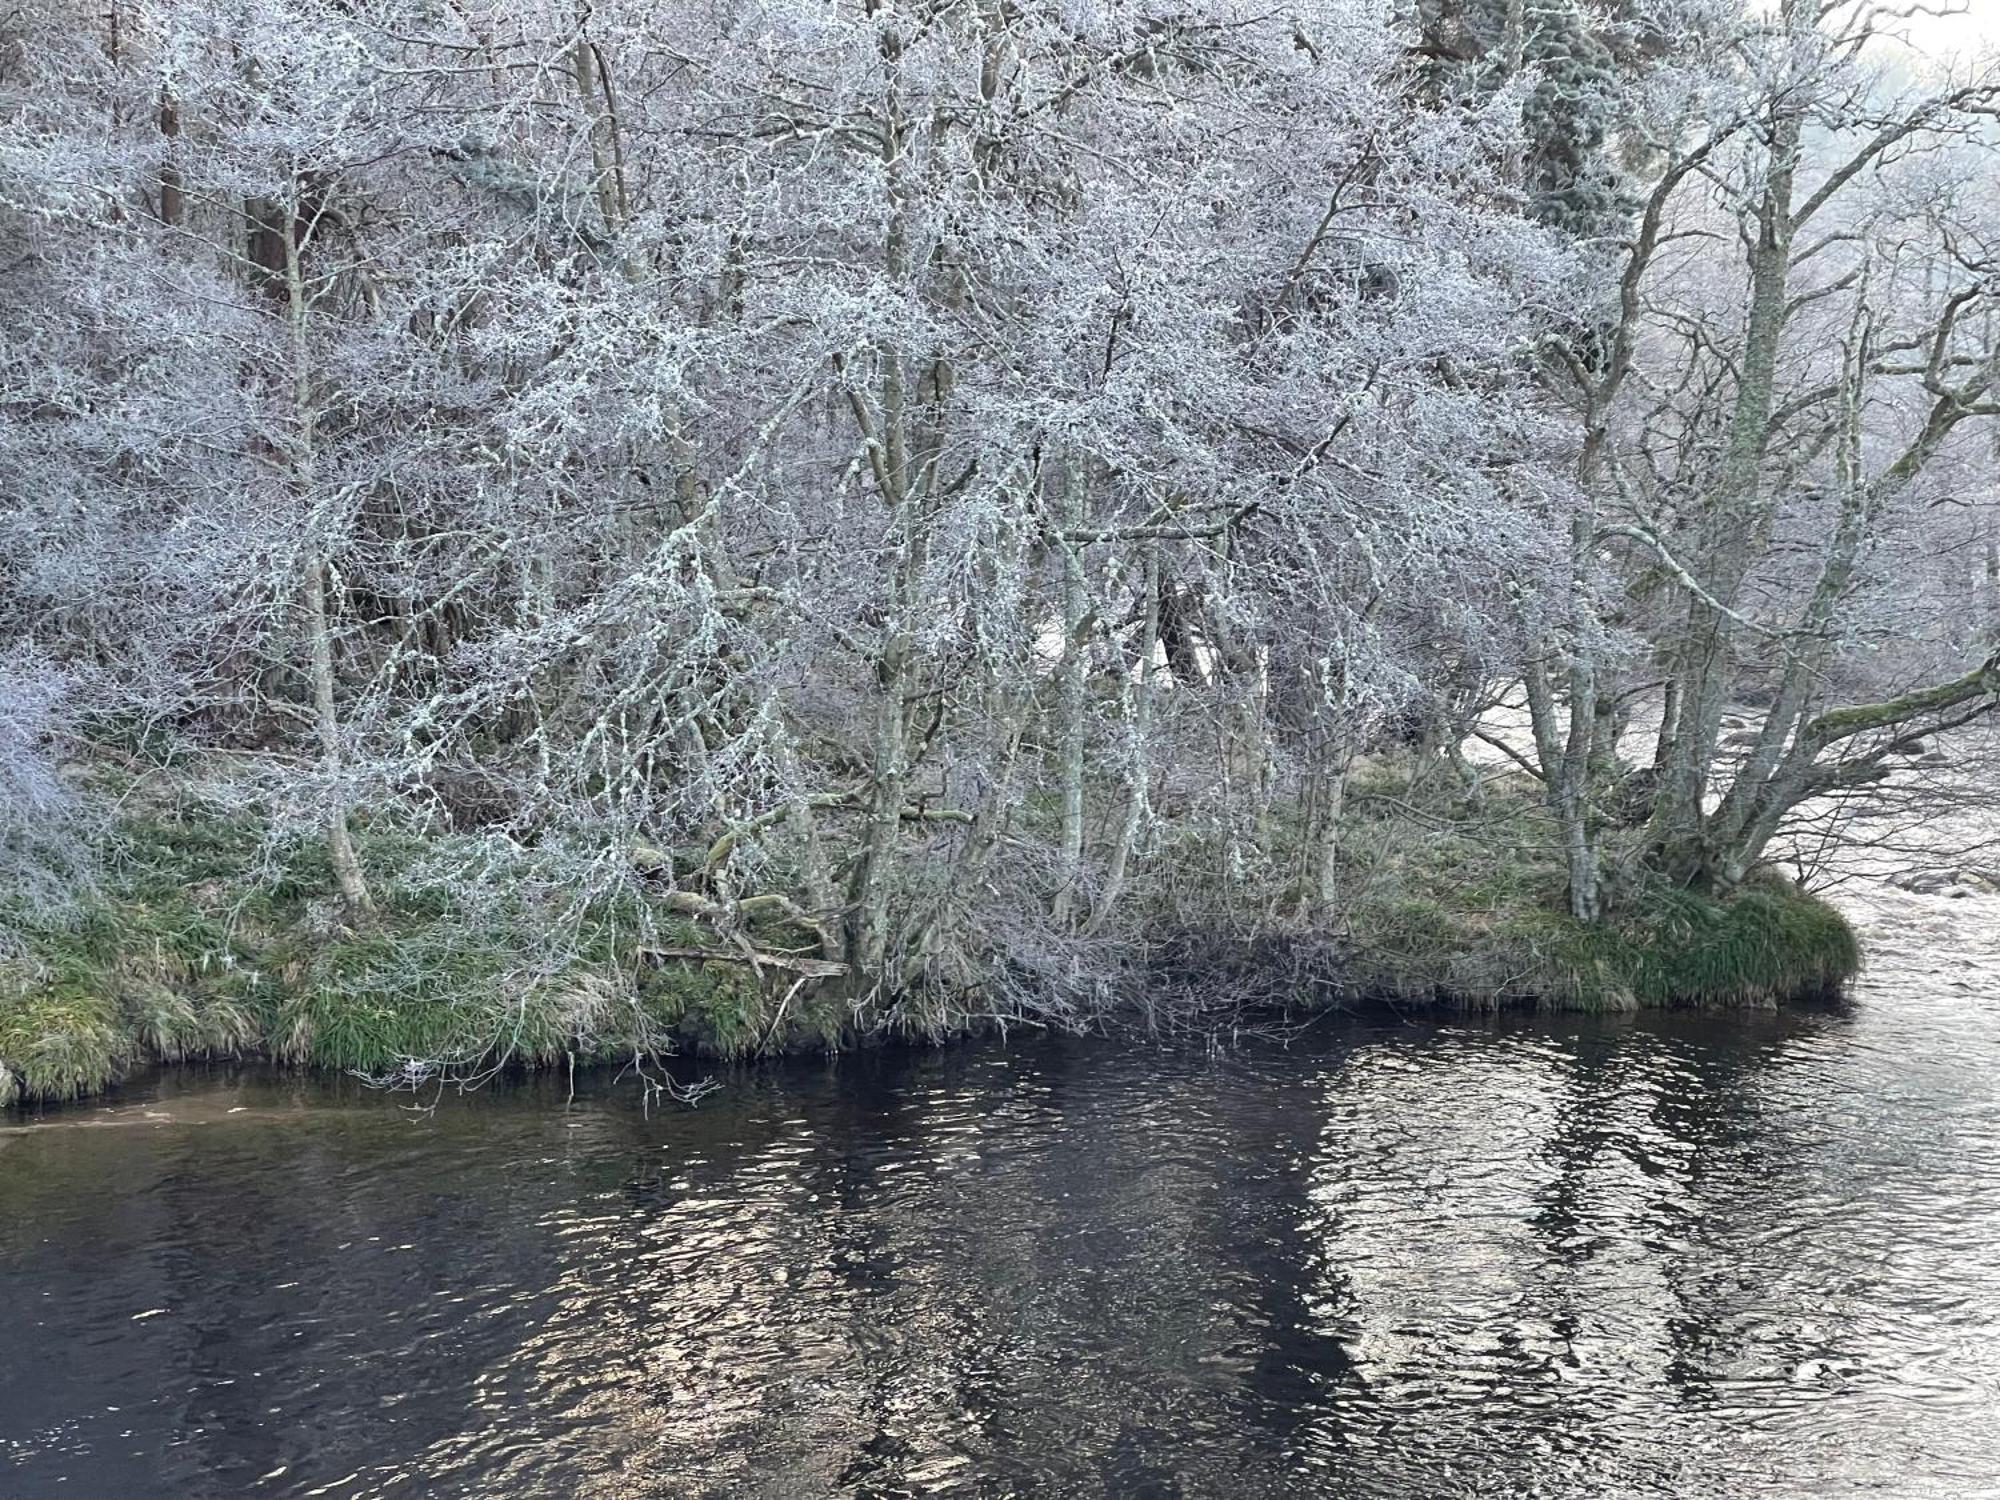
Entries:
{"x":208,"y":939}
{"x":1764,"y":945}
{"x":1455,"y":900}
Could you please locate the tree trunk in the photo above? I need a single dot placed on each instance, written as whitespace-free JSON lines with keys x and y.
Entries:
{"x":173,"y":199}
{"x":1072,"y":684}
{"x":347,"y":872}
{"x":1138,"y":791}
{"x":1735,"y":515}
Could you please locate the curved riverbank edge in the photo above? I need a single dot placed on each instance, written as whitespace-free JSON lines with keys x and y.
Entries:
{"x":1766,"y":945}
{"x":192,"y":963}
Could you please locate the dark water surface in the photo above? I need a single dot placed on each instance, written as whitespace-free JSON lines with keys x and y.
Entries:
{"x":1675,"y":1255}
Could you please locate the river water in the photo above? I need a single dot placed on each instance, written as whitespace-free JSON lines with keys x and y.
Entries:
{"x":1674,"y":1255}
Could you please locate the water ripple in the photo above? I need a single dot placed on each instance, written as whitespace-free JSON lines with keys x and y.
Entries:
{"x":1669,"y":1256}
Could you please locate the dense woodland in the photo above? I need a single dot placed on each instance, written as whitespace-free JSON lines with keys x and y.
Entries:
{"x":938,"y":499}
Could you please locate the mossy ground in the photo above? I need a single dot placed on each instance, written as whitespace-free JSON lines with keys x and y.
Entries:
{"x":1762,"y":945}
{"x":205,"y":939}
{"x":1452,"y":899}
{"x":208,"y":938}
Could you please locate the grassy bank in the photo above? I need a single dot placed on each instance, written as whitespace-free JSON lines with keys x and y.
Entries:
{"x":1462,"y":907}
{"x":207,"y":938}
{"x":1765,"y":945}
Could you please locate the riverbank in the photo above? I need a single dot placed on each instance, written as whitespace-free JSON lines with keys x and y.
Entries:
{"x":207,"y":937}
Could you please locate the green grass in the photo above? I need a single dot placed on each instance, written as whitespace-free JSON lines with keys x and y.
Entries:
{"x":1761,"y":946}
{"x":61,"y":1033}
{"x":207,"y":937}
{"x":1766,"y":944}
{"x":1449,"y":902}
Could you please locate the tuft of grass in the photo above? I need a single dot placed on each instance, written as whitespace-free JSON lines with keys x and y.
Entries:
{"x":61,"y":1036}
{"x":1765,"y":944}
{"x":717,"y":1007}
{"x":165,"y":1023}
{"x":226,"y":1026}
{"x":590,"y":1012}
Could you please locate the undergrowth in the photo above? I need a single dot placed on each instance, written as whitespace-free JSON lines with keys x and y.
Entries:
{"x":207,"y":936}
{"x":1457,"y":899}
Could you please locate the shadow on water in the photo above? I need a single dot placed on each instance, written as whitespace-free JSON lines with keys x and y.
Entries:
{"x":1668,"y":1255}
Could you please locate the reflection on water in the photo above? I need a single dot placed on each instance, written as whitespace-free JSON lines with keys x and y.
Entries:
{"x":1677,"y":1256}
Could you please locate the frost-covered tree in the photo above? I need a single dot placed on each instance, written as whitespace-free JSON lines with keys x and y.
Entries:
{"x":1797,"y":356}
{"x":968,"y":482}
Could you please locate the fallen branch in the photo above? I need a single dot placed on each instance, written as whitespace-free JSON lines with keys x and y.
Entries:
{"x":757,"y":958}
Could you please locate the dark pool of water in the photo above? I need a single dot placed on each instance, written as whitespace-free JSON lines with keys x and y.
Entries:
{"x":1681,"y":1256}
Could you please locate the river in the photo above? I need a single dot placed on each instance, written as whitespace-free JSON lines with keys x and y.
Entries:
{"x":1676,"y":1255}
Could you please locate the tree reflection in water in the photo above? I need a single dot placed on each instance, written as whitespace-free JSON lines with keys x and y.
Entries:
{"x":1669,"y":1255}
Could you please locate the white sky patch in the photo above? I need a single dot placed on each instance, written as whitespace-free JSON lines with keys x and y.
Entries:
{"x":1964,"y":31}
